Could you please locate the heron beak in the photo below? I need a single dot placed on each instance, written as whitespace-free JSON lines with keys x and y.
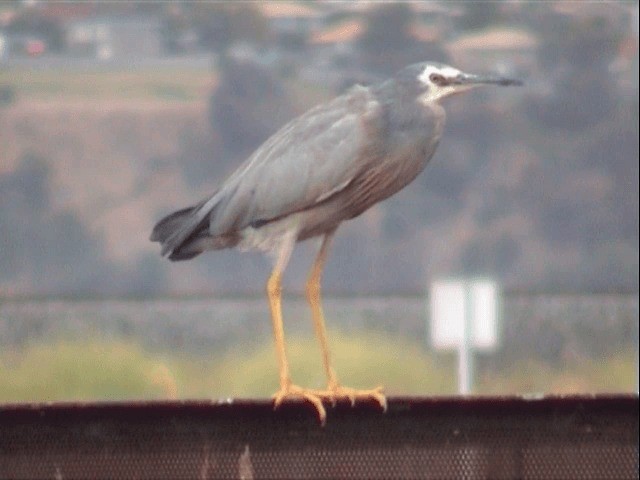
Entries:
{"x":471,"y":80}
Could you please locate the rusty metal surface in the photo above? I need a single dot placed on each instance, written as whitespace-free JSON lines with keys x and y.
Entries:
{"x":475,"y":437}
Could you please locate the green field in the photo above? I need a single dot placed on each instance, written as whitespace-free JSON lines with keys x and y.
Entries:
{"x":157,"y":84}
{"x":169,"y":84}
{"x":116,"y":370}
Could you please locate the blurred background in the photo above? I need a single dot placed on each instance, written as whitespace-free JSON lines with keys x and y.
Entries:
{"x":113,"y":114}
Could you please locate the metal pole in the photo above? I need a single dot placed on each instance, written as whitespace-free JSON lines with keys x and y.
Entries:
{"x":637,"y":357}
{"x":465,"y":353}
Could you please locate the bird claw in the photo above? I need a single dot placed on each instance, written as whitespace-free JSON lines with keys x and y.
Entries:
{"x":295,"y":392}
{"x":333,"y":393}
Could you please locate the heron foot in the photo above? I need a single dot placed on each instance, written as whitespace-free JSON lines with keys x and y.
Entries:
{"x":290,"y":391}
{"x":335,"y":392}
{"x":332,"y":393}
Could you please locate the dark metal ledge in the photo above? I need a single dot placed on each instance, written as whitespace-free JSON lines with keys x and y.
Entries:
{"x":475,"y":437}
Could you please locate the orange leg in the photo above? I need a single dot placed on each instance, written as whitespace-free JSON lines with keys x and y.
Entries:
{"x":334,"y":389}
{"x":274,"y":291}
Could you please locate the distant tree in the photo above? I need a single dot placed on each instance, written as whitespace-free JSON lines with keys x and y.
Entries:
{"x":387,"y":28}
{"x":577,"y":54}
{"x":387,"y":45}
{"x":27,"y":188}
{"x":30,"y":22}
{"x":202,"y":156}
{"x":386,"y":41}
{"x":249,"y":104}
{"x":219,"y":25}
{"x":145,"y":277}
{"x":24,"y":196}
{"x":478,"y":15}
{"x":248,"y":25}
{"x":51,"y":250}
{"x":579,"y":43}
{"x":174,"y":25}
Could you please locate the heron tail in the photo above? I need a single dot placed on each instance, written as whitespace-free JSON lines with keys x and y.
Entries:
{"x":186,"y":233}
{"x":175,"y":231}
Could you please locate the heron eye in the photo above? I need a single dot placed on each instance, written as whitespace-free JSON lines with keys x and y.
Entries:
{"x":437,"y":79}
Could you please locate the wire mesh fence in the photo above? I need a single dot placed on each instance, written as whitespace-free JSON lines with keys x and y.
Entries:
{"x":533,"y":326}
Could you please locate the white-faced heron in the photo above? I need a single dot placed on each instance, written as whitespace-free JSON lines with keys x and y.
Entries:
{"x":322,"y":168}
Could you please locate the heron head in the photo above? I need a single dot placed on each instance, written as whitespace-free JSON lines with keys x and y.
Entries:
{"x":438,"y":81}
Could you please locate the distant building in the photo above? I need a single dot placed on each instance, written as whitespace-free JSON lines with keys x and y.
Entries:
{"x":434,"y":21}
{"x":615,"y":12}
{"x":115,"y":37}
{"x":342,"y":55}
{"x":289,"y":20}
{"x":495,"y":49}
{"x":341,"y":36}
{"x":335,"y":51}
{"x":431,"y":22}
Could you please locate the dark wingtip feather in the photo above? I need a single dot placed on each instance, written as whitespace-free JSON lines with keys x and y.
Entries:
{"x":170,"y":227}
{"x":177,"y":255}
{"x":166,"y":227}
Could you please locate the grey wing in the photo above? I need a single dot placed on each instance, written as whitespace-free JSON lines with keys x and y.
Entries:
{"x":307,"y":161}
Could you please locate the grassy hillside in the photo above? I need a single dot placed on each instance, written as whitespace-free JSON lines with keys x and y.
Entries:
{"x":107,"y":153}
{"x":139,"y":85}
{"x":116,"y":370}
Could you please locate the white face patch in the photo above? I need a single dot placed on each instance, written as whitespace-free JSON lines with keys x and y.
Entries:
{"x":445,"y":71}
{"x":437,"y":92}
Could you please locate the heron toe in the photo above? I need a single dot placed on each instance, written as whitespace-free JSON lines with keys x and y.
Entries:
{"x":332,"y":393}
{"x":336,"y":392}
{"x":294,"y":392}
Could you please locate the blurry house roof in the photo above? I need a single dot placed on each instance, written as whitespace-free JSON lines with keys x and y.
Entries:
{"x":495,"y":39}
{"x":6,"y":17}
{"x":440,"y":8}
{"x":611,"y":10}
{"x":628,"y":47}
{"x":424,"y":33}
{"x":352,"y":30}
{"x":354,"y":6}
{"x":66,"y":11}
{"x":343,"y":32}
{"x":447,"y":9}
{"x":135,"y":20}
{"x":287,"y":9}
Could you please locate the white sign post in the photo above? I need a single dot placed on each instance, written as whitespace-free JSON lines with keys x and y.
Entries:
{"x":464,"y":316}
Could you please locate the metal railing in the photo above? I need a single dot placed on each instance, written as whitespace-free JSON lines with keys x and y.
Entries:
{"x":458,"y":437}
